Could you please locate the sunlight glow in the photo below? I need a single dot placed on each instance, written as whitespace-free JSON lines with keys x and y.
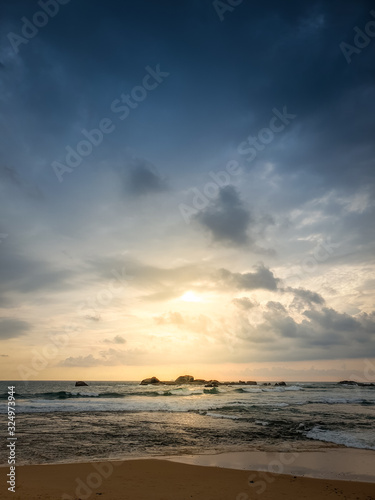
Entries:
{"x":190,"y":297}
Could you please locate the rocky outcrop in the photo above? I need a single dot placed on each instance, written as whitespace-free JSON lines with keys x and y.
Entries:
{"x":280,"y":384}
{"x":184,"y":379}
{"x":151,"y":380}
{"x":360,"y":384}
{"x":189,"y":379}
{"x":81,"y":384}
{"x":212,"y":383}
{"x":267,"y":383}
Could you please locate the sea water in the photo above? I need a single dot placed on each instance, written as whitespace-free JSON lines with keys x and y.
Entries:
{"x":58,"y":422}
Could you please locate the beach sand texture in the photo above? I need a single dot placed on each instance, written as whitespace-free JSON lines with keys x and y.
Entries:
{"x":163,"y":480}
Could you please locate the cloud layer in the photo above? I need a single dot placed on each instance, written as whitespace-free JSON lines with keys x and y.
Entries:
{"x":276,"y":259}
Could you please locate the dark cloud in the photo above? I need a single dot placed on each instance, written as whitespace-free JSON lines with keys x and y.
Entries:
{"x":307,"y":295}
{"x":345,"y":336}
{"x":143,"y":179}
{"x":303,"y":298}
{"x":243,"y":303}
{"x":328,"y":319}
{"x":275,"y":306}
{"x":24,"y":274}
{"x":226,"y":219}
{"x":11,"y":328}
{"x":262,"y":278}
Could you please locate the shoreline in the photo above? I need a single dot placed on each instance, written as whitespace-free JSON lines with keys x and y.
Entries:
{"x":341,"y":464}
{"x":335,"y":463}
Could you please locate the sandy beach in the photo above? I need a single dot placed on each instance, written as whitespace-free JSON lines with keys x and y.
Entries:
{"x":154,"y":479}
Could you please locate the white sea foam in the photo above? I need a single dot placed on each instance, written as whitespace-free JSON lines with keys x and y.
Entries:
{"x":185,"y":392}
{"x":351,"y":439}
{"x":283,"y":389}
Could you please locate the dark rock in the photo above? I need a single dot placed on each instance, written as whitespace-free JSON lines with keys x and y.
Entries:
{"x":212,"y":383}
{"x":152,"y":380}
{"x":199,"y":381}
{"x":278,"y":384}
{"x":241,"y":382}
{"x":81,"y":384}
{"x":184,"y":379}
{"x":267,"y":383}
{"x":250,"y":382}
{"x":360,"y":384}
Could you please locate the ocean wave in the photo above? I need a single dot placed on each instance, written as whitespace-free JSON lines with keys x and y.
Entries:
{"x":336,"y":401}
{"x":220,"y":415}
{"x":85,"y":394}
{"x":185,"y":392}
{"x":350,"y":440}
{"x":283,"y":389}
{"x":248,"y":389}
{"x":69,"y":395}
{"x":242,"y":390}
{"x":111,"y":395}
{"x":214,"y":390}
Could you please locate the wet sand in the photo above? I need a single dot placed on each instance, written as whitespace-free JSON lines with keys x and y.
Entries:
{"x":341,"y":463}
{"x":155,"y":479}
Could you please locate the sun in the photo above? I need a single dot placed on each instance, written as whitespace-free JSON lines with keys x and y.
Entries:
{"x":190,"y":297}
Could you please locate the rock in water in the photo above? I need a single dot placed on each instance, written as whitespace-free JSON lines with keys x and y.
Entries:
{"x":212,"y":383}
{"x":152,"y":380}
{"x":360,"y":384}
{"x":184,"y":379}
{"x":278,"y":384}
{"x":81,"y":384}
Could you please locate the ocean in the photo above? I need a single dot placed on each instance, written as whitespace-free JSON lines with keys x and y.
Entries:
{"x":57,"y":422}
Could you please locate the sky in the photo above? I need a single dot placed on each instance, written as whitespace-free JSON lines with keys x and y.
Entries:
{"x":187,"y":187}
